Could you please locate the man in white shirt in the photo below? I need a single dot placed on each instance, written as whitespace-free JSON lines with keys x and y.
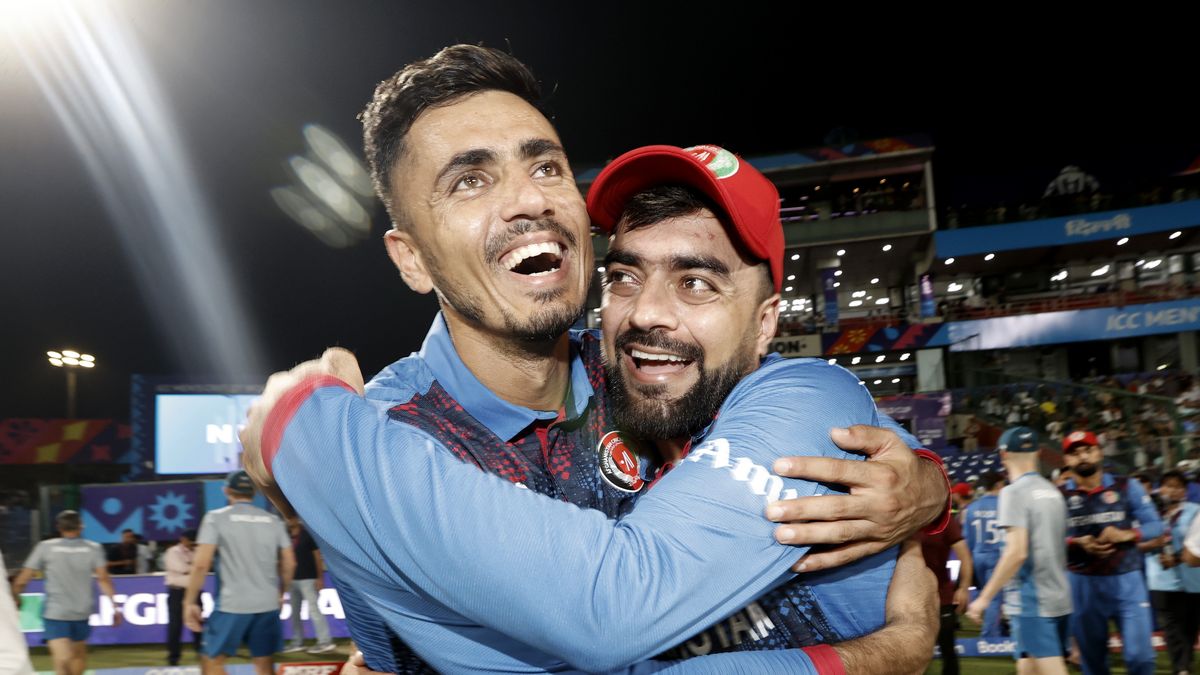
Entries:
{"x":177,"y":562}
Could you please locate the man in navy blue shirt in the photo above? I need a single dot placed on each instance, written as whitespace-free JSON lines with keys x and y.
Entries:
{"x":1106,"y":516}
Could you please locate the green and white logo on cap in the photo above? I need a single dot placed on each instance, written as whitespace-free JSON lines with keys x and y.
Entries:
{"x":720,"y":161}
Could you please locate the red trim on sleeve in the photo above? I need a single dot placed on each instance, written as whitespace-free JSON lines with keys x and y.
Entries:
{"x":1137,"y":534}
{"x":1070,"y":541}
{"x":937,"y":526}
{"x":281,"y":415}
{"x":826,"y":660}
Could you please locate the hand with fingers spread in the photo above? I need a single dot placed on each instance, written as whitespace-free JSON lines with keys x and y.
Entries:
{"x":891,"y":496}
{"x":335,"y":363}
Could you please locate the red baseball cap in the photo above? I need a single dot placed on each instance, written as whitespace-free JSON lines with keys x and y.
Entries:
{"x":1079,"y":438}
{"x":748,"y":198}
{"x":961,"y":489}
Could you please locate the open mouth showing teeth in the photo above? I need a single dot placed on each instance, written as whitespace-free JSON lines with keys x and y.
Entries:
{"x":645,"y":360}
{"x":535,"y":259}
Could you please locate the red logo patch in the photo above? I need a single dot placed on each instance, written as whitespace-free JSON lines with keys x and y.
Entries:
{"x":1109,"y":497}
{"x":619,"y":464}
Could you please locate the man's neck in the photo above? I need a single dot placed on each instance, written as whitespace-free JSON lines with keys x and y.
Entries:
{"x":527,"y":373}
{"x":671,"y":450}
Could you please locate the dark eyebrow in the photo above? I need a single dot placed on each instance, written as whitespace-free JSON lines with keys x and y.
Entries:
{"x":683,"y":263}
{"x":536,"y":147}
{"x":623,"y":257}
{"x":465,"y":159}
{"x":679,"y":263}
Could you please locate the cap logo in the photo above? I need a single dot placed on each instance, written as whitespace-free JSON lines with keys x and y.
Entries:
{"x":618,"y":464}
{"x":721,"y":162}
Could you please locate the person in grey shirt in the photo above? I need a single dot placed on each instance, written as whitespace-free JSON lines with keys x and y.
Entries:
{"x":68,"y":564}
{"x":255,"y":567}
{"x":1038,"y":599}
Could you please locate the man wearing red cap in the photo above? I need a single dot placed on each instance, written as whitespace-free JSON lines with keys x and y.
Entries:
{"x":487,"y":215}
{"x":1107,"y":516}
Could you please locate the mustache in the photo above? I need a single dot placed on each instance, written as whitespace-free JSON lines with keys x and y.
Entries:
{"x":498,"y":242}
{"x":659,"y":340}
{"x":1085,"y":469}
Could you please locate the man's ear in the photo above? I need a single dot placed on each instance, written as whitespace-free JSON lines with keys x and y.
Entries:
{"x":402,"y":248}
{"x":768,"y":322}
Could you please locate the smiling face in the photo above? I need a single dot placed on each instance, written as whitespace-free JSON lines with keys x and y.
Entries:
{"x":493,"y":220}
{"x":685,"y":318}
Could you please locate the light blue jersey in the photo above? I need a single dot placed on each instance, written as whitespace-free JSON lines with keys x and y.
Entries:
{"x":475,"y":574}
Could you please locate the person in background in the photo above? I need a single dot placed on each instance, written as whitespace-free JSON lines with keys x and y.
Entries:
{"x":68,"y":564}
{"x":14,"y":655}
{"x":1174,"y":587}
{"x":961,"y":494}
{"x":122,"y":558}
{"x":1032,"y":566}
{"x":1107,"y":516}
{"x":306,"y":588}
{"x":952,"y":593}
{"x":256,"y":567}
{"x":178,"y":563}
{"x":986,"y":540}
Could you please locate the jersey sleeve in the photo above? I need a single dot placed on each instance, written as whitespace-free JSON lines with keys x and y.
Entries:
{"x":282,"y":540}
{"x":1009,"y":510}
{"x":597,"y":593}
{"x":98,"y":559}
{"x":1149,"y":522}
{"x":208,"y":530}
{"x":794,"y":661}
{"x":37,"y":558}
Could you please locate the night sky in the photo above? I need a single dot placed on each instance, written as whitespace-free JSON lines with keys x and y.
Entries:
{"x":241,"y":79}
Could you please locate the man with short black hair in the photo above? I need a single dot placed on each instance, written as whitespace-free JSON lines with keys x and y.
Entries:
{"x":256,"y":566}
{"x":123,"y":556}
{"x":68,"y":563}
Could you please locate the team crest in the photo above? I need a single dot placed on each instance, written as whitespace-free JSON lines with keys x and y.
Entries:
{"x":721,"y":162}
{"x":1110,"y":497}
{"x":1075,"y":502}
{"x":619,"y":464}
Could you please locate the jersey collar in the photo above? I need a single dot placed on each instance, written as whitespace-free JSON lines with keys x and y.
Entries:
{"x":502,"y":418}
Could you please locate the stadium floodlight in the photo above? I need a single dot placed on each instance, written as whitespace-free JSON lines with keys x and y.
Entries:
{"x":1176,"y":234}
{"x":895,"y":380}
{"x":855,"y":361}
{"x":1122,"y":241}
{"x":989,"y":256}
{"x":904,"y":356}
{"x":877,"y":382}
{"x":833,"y":362}
{"x":875,"y":280}
{"x":1100,"y":271}
{"x":790,"y":277}
{"x":841,"y":252}
{"x":883,"y":301}
{"x":837,"y":284}
{"x":856,"y":303}
{"x":949,"y":261}
{"x":788,"y":289}
{"x":1152,"y":264}
{"x":881,"y":358}
{"x":837,"y":273}
{"x":887,"y":247}
{"x":70,"y":361}
{"x":953,"y":287}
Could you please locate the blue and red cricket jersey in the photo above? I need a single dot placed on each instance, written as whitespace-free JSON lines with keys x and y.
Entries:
{"x":475,"y":575}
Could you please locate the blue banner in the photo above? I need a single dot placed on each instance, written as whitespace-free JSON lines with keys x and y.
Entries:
{"x":828,"y":279}
{"x":1075,"y":229}
{"x":1107,"y":323}
{"x":157,"y":511}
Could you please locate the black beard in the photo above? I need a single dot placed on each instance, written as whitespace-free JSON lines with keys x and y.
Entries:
{"x":1085,"y":469}
{"x":647,"y":413}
